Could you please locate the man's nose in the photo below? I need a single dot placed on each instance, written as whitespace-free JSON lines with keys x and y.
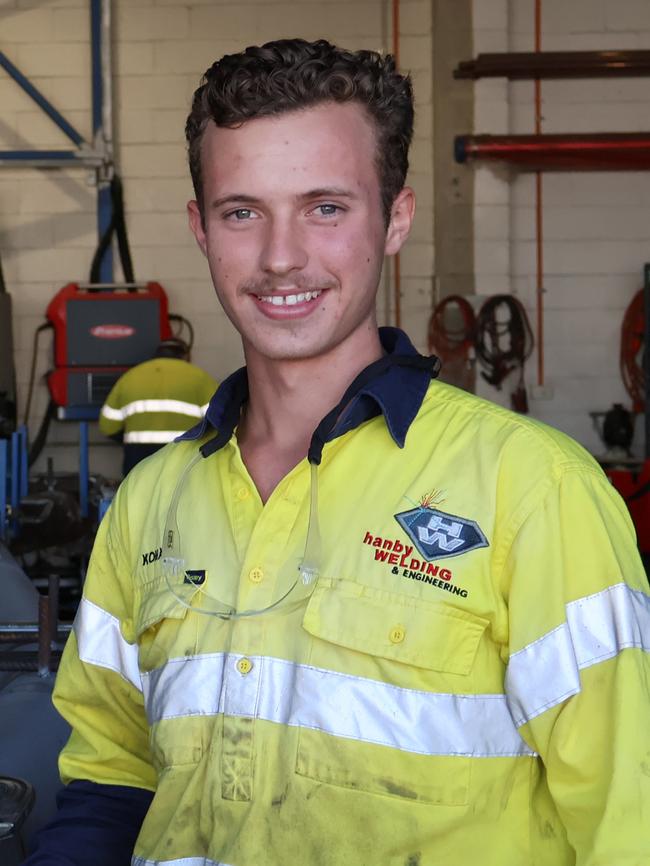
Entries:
{"x":284,"y":248}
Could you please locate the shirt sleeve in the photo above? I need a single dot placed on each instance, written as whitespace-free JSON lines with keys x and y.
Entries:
{"x":96,"y":825}
{"x":111,"y":417}
{"x":98,"y":688}
{"x":578,"y":675}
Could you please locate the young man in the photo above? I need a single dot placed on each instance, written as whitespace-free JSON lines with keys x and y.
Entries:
{"x":356,"y":616}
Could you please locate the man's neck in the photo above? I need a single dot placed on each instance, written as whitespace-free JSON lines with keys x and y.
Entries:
{"x":287,"y":399}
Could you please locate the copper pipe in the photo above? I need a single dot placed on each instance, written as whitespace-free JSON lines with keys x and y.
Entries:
{"x":397,"y":275}
{"x":539,"y":214}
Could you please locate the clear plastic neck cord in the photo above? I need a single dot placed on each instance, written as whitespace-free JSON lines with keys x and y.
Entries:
{"x":174,"y":564}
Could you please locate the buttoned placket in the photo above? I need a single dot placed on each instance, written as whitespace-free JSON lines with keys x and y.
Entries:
{"x":262,"y":540}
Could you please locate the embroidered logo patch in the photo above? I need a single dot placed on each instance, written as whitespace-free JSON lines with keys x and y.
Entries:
{"x":437,"y":534}
{"x":195,"y":577}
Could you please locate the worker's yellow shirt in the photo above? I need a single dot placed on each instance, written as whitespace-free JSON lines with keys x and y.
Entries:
{"x":468,"y":682}
{"x":156,"y":401}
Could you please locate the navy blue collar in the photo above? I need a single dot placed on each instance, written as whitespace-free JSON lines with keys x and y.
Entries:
{"x":393,"y":386}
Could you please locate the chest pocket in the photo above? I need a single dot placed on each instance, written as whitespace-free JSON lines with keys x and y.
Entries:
{"x":164,"y":631}
{"x":394,"y":673}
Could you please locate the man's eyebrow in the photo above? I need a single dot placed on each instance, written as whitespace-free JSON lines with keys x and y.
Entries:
{"x":234,"y":198}
{"x":328,"y":192}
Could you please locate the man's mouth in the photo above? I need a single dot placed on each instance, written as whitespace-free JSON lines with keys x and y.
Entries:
{"x":289,"y":300}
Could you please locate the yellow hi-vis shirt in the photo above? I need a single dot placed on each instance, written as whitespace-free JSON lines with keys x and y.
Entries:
{"x":156,"y":401}
{"x":488,"y":704}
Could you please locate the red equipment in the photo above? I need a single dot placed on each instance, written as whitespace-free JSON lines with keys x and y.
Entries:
{"x":634,"y":487}
{"x":99,"y":332}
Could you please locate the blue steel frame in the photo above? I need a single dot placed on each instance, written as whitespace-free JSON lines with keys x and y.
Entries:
{"x":13,"y":479}
{"x":85,"y":155}
{"x":4,"y":448}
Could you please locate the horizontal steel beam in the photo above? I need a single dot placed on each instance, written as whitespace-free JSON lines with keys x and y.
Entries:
{"x":52,"y":158}
{"x":556,"y":64}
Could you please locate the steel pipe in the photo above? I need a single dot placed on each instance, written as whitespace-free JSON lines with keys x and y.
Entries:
{"x":590,"y":152}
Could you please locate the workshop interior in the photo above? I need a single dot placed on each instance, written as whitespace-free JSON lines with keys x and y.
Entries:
{"x":528,"y":272}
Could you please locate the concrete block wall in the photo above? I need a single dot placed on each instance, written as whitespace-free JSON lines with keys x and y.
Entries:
{"x":160,"y":50}
{"x":596,"y":225}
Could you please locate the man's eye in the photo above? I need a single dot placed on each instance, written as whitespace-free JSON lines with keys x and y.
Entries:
{"x":242,"y":213}
{"x":327,"y":209}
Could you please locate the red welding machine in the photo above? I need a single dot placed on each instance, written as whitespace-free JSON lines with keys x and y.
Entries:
{"x":101,"y":330}
{"x":634,"y":487}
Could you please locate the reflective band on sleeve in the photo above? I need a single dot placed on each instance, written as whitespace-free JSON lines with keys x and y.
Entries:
{"x":152,"y":437}
{"x":100,"y":642}
{"x":598,"y":627}
{"x":180,"y":407}
{"x":339,"y":704}
{"x":112,"y":414}
{"x":183,"y":861}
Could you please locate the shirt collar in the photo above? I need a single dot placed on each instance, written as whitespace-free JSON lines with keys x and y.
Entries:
{"x":396,"y":392}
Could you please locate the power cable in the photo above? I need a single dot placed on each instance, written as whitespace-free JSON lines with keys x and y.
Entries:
{"x":450,"y":342}
{"x":504,"y":343}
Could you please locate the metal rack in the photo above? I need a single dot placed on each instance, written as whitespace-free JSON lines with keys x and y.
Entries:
{"x":96,"y":155}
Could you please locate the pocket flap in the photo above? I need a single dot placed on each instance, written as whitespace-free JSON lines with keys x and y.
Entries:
{"x":415,"y":632}
{"x":158,"y":603}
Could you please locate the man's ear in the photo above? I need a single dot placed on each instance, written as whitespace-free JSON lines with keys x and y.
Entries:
{"x":196,"y":224}
{"x":401,"y":219}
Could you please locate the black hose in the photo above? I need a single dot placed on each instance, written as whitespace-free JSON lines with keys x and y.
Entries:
{"x":175,"y":317}
{"x":502,"y":345}
{"x":32,"y":372}
{"x":117,"y":225}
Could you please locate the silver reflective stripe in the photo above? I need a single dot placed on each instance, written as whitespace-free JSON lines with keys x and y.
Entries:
{"x":112,"y":414}
{"x":598,"y":627}
{"x":100,"y":642}
{"x":137,"y":407}
{"x":183,"y":861}
{"x":152,"y":437}
{"x":339,"y":704}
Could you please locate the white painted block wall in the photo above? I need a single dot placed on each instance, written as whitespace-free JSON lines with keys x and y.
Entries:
{"x":596,"y":225}
{"x":161,"y":48}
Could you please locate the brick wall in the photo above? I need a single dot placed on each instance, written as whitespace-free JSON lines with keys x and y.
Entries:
{"x":161,"y":47}
{"x":596,"y":225}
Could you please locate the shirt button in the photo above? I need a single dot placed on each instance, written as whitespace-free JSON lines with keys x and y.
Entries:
{"x":242,"y":493}
{"x":256,"y":575}
{"x":244,"y":666}
{"x":397,"y":634}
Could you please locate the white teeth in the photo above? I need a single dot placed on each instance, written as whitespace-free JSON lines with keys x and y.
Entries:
{"x":289,"y":300}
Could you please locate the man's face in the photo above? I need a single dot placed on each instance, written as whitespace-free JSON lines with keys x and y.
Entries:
{"x":293,"y":228}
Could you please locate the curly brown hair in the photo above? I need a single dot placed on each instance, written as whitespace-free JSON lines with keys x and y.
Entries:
{"x":291,"y":74}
